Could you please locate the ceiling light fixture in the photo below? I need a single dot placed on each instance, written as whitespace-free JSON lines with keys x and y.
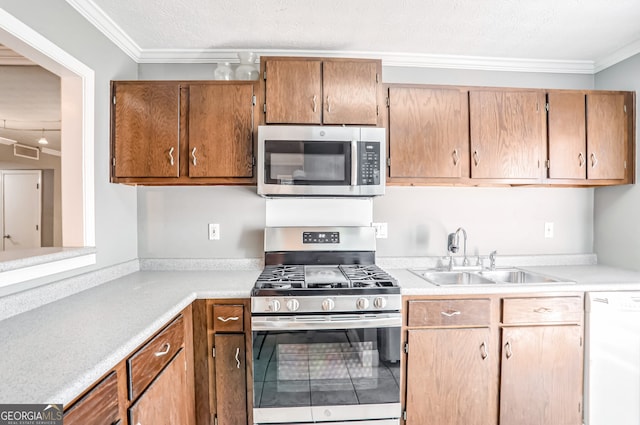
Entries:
{"x":43,"y":140}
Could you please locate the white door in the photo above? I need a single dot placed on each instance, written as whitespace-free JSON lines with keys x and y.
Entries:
{"x":21,"y":203}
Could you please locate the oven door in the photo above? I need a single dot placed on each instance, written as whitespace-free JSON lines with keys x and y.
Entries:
{"x":327,"y":368}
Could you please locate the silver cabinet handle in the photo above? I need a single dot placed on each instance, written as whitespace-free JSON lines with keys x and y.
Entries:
{"x":450,"y":313}
{"x":164,"y":352}
{"x":476,"y":158}
{"x":227,"y":319}
{"x":581,"y":159}
{"x":315,"y":103}
{"x":456,"y":158}
{"x":238,"y":358}
{"x":171,"y":155}
{"x":193,"y":155}
{"x":328,"y":103}
{"x":542,"y":310}
{"x":483,"y":350}
{"x":594,"y":160}
{"x":7,"y":236}
{"x":507,"y":349}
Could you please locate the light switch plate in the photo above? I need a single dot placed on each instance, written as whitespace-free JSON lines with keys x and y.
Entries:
{"x":214,"y":231}
{"x":548,"y":230}
{"x":381,"y":230}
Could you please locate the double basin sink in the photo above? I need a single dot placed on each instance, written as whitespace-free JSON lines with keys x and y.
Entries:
{"x":511,"y":276}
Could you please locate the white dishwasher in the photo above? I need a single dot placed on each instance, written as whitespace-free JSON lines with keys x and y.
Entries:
{"x":612,"y":358}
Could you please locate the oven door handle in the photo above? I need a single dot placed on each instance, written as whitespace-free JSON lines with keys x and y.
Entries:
{"x":268,"y":323}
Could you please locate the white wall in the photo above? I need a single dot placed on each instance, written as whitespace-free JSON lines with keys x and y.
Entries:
{"x":116,"y":218}
{"x":616,"y":209}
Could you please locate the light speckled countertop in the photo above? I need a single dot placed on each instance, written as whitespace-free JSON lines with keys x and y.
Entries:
{"x":52,"y":353}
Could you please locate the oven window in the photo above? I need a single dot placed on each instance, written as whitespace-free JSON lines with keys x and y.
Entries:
{"x":326,"y":367}
{"x":307,"y":163}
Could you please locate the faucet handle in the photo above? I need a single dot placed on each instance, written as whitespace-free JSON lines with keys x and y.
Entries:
{"x":492,"y":259}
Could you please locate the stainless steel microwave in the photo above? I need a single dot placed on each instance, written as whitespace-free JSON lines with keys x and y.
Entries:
{"x":321,"y":160}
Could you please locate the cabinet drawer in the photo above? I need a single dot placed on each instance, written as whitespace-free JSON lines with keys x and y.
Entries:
{"x":98,"y":407}
{"x":475,"y":312}
{"x":147,"y":362}
{"x":228,"y":318}
{"x":542,"y":310}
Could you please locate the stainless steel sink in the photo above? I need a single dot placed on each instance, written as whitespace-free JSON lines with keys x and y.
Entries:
{"x":517,"y":276}
{"x":486,"y":277}
{"x":443,"y":278}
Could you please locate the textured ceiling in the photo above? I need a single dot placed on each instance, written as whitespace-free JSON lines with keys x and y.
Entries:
{"x":567,"y":30}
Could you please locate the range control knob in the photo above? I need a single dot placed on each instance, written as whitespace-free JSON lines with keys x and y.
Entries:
{"x":362,"y":303}
{"x":328,"y":304}
{"x":274,"y":305}
{"x":379,"y":302}
{"x":293,"y":304}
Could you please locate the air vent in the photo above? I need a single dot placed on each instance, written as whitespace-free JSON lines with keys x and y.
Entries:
{"x":26,"y":152}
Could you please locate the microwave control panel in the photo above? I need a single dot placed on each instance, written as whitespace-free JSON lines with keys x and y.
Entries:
{"x":369,"y":163}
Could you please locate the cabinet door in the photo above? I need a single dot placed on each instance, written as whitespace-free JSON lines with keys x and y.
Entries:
{"x":293,"y":92}
{"x":451,"y":377}
{"x":606,"y":136}
{"x":567,"y":135}
{"x":508,"y":134}
{"x":98,"y":407}
{"x":220,"y":130}
{"x":165,"y":402}
{"x":428,"y":132}
{"x":350,"y":92}
{"x":541,"y":380}
{"x":231,"y":384}
{"x":146,"y":129}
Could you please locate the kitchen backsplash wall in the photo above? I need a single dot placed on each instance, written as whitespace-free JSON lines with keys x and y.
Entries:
{"x":172,"y":221}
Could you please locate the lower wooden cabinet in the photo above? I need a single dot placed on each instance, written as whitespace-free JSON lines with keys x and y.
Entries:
{"x":222,"y":349}
{"x":99,"y":406}
{"x":503,"y":360}
{"x":164,"y":402}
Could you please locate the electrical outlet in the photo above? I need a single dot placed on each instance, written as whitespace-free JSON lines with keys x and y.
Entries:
{"x":381,"y":230}
{"x":548,"y":230}
{"x":214,"y":231}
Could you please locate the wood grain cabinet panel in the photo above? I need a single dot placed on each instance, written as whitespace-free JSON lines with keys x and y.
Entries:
{"x":146,"y":120}
{"x":228,"y":318}
{"x":449,"y":312}
{"x":220,"y":130}
{"x":145,"y":364}
{"x":293,"y":91}
{"x":508,"y":134}
{"x":164,"y":402}
{"x":606,"y":136}
{"x":567,"y":135}
{"x":321,"y":91}
{"x":541,"y":378}
{"x":451,"y":377}
{"x":542,"y":310}
{"x":230,"y":372}
{"x":98,"y":407}
{"x":428,"y":132}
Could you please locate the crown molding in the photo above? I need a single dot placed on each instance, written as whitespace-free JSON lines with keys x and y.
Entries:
{"x":107,"y":26}
{"x":111,"y":30}
{"x":618,"y":56}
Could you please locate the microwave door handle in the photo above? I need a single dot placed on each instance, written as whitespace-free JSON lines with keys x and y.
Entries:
{"x":354,"y":163}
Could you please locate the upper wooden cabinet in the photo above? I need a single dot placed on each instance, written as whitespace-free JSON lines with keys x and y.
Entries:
{"x":321,"y":91}
{"x":146,"y":129}
{"x":198,"y":132}
{"x":590,"y":138}
{"x":428,"y":132}
{"x":508,"y":134}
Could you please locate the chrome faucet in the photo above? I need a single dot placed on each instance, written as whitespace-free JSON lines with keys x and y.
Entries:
{"x":453,"y":246}
{"x":492,"y":259}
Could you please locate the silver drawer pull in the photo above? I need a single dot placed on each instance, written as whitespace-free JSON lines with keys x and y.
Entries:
{"x":171,"y":161}
{"x":483,"y":350}
{"x":193,"y":156}
{"x":507,"y":349}
{"x":164,"y":352}
{"x":450,"y":313}
{"x":237,"y":358}
{"x":542,"y":310}
{"x":227,"y":319}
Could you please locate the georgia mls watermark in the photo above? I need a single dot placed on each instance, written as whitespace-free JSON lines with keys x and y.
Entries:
{"x":30,"y":414}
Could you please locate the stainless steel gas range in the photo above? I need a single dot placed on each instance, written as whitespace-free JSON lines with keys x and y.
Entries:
{"x":326,"y":330}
